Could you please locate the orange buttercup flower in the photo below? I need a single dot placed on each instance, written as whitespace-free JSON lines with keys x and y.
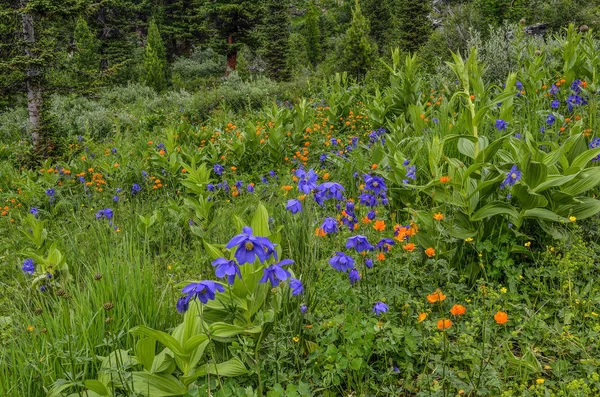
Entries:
{"x":458,"y":310}
{"x":422,"y":316}
{"x":444,"y":324}
{"x":287,"y":188}
{"x":319,"y":232}
{"x":366,"y":219}
{"x":438,"y":216}
{"x":379,"y":225}
{"x":326,"y":176}
{"x":380,"y":256}
{"x":374,"y":167}
{"x":501,"y":318}
{"x":408,"y":247}
{"x":430,"y":252}
{"x":233,"y":168}
{"x":436,"y":296}
{"x":444,"y":179}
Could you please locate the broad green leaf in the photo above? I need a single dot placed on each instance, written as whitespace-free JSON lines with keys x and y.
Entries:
{"x":553,"y":181}
{"x":157,"y":385}
{"x":97,"y":387}
{"x":160,"y":336}
{"x":544,"y":215}
{"x":144,"y":351}
{"x":260,"y":222}
{"x":535,"y":173}
{"x":588,"y":179}
{"x":588,"y":207}
{"x":211,"y":250}
{"x":495,"y":208}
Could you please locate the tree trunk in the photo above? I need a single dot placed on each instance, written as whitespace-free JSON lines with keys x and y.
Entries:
{"x":231,"y":55}
{"x":33,"y":73}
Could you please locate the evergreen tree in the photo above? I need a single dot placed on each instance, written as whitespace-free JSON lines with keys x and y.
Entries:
{"x":155,"y":59}
{"x":85,"y":58}
{"x":312,"y":33}
{"x":414,"y":26}
{"x":380,"y":14}
{"x":359,"y":52}
{"x":277,"y":36}
{"x":232,"y":23}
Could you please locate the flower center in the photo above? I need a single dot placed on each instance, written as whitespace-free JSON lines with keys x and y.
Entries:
{"x":375,"y":184}
{"x":249,"y":246}
{"x":513,"y":175}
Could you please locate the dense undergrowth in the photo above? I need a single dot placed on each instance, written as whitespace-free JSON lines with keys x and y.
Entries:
{"x":443,"y":233}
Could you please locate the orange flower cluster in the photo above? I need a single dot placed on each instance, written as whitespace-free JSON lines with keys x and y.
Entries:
{"x":436,"y":296}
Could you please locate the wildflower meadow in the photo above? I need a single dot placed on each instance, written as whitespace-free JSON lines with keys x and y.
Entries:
{"x":432,"y":234}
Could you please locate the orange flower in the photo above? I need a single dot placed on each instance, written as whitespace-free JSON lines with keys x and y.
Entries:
{"x":444,"y":179}
{"x":374,"y":167}
{"x":366,"y":219}
{"x":380,"y":256}
{"x":326,"y":176}
{"x":430,"y":252}
{"x":501,"y":318}
{"x":458,"y":310}
{"x":444,"y":324}
{"x":422,"y":316}
{"x":438,"y":216}
{"x":379,"y":225}
{"x":287,"y":188}
{"x":233,"y":168}
{"x":408,"y":247}
{"x":319,"y":232}
{"x":436,"y":296}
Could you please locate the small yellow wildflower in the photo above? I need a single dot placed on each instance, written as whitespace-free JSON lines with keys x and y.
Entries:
{"x":528,"y":244}
{"x":539,"y":381}
{"x":30,"y":328}
{"x":296,"y":339}
{"x":469,"y":239}
{"x":503,"y":290}
{"x":572,"y":218}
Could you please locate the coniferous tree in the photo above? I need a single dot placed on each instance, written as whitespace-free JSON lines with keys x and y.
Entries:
{"x":277,"y":35}
{"x":380,"y":14}
{"x":359,"y":51}
{"x":312,"y":33}
{"x":413,"y":24}
{"x":155,"y":59}
{"x":85,"y":58}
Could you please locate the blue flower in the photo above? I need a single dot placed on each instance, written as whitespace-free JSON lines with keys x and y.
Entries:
{"x":331,"y":190}
{"x":554,"y":89}
{"x":512,"y":177}
{"x":519,"y":86}
{"x":369,"y":263}
{"x":239,"y":184}
{"x":333,"y":142}
{"x":329,"y":225}
{"x":50,"y":192}
{"x":218,"y":169}
{"x":411,"y":172}
{"x":227,"y":268}
{"x":303,"y":309}
{"x":294,"y":206}
{"x":341,"y":262}
{"x":550,"y":119}
{"x":250,"y":247}
{"x":105,"y":213}
{"x":405,"y":162}
{"x":375,"y":183}
{"x":595,"y":143}
{"x":354,"y":276}
{"x":28,"y":266}
{"x":323,"y":158}
{"x":384,"y":244}
{"x":203,"y":291}
{"x":250,"y":188}
{"x":276,"y":272}
{"x":555,"y":104}
{"x":379,"y":308}
{"x":501,"y":125}
{"x":135,"y":188}
{"x":34,"y":211}
{"x":359,"y":243}
{"x":368,"y":199}
{"x":296,"y":286}
{"x":307,"y":181}
{"x":371,"y":214}
{"x":183,"y":304}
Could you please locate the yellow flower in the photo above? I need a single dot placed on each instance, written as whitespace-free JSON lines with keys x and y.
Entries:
{"x":528,"y":244}
{"x":30,"y":328}
{"x":296,"y":339}
{"x":572,"y":218}
{"x":503,"y":290}
{"x":469,"y":239}
{"x":539,"y":381}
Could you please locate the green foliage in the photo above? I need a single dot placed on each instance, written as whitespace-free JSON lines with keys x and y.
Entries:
{"x":359,"y":51}
{"x":413,"y":24}
{"x":277,"y":39}
{"x":155,"y":61}
{"x":312,"y":33}
{"x":85,"y":58}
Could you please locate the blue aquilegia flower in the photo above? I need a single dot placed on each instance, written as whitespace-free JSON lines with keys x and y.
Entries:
{"x":501,"y":125}
{"x":550,"y":119}
{"x":294,"y":206}
{"x":203,"y":291}
{"x":307,"y":181}
{"x":250,"y":247}
{"x":411,"y":172}
{"x":296,"y":287}
{"x":369,"y":263}
{"x":34,"y":211}
{"x":376,"y":184}
{"x":354,"y":276}
{"x":276,"y":273}
{"x":218,"y":169}
{"x":555,"y":104}
{"x":227,"y":268}
{"x":384,"y":244}
{"x":341,"y":262}
{"x":105,"y":213}
{"x":135,"y":188}
{"x":331,"y":190}
{"x":512,"y":177}
{"x":359,"y":243}
{"x":379,"y":308}
{"x":329,"y":226}
{"x":594,"y":144}
{"x":303,"y":309}
{"x":28,"y":266}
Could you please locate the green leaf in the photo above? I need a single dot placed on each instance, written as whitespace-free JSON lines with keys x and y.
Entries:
{"x":144,"y":351}
{"x":553,"y":181}
{"x":535,"y":173}
{"x":586,"y":208}
{"x":588,"y":179}
{"x":495,"y":208}
{"x":160,"y":336}
{"x":233,"y":367}
{"x":211,"y":250}
{"x":527,"y":198}
{"x":581,"y":161}
{"x":97,"y":387}
{"x":260,"y":222}
{"x":157,"y":385}
{"x":544,"y":215}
